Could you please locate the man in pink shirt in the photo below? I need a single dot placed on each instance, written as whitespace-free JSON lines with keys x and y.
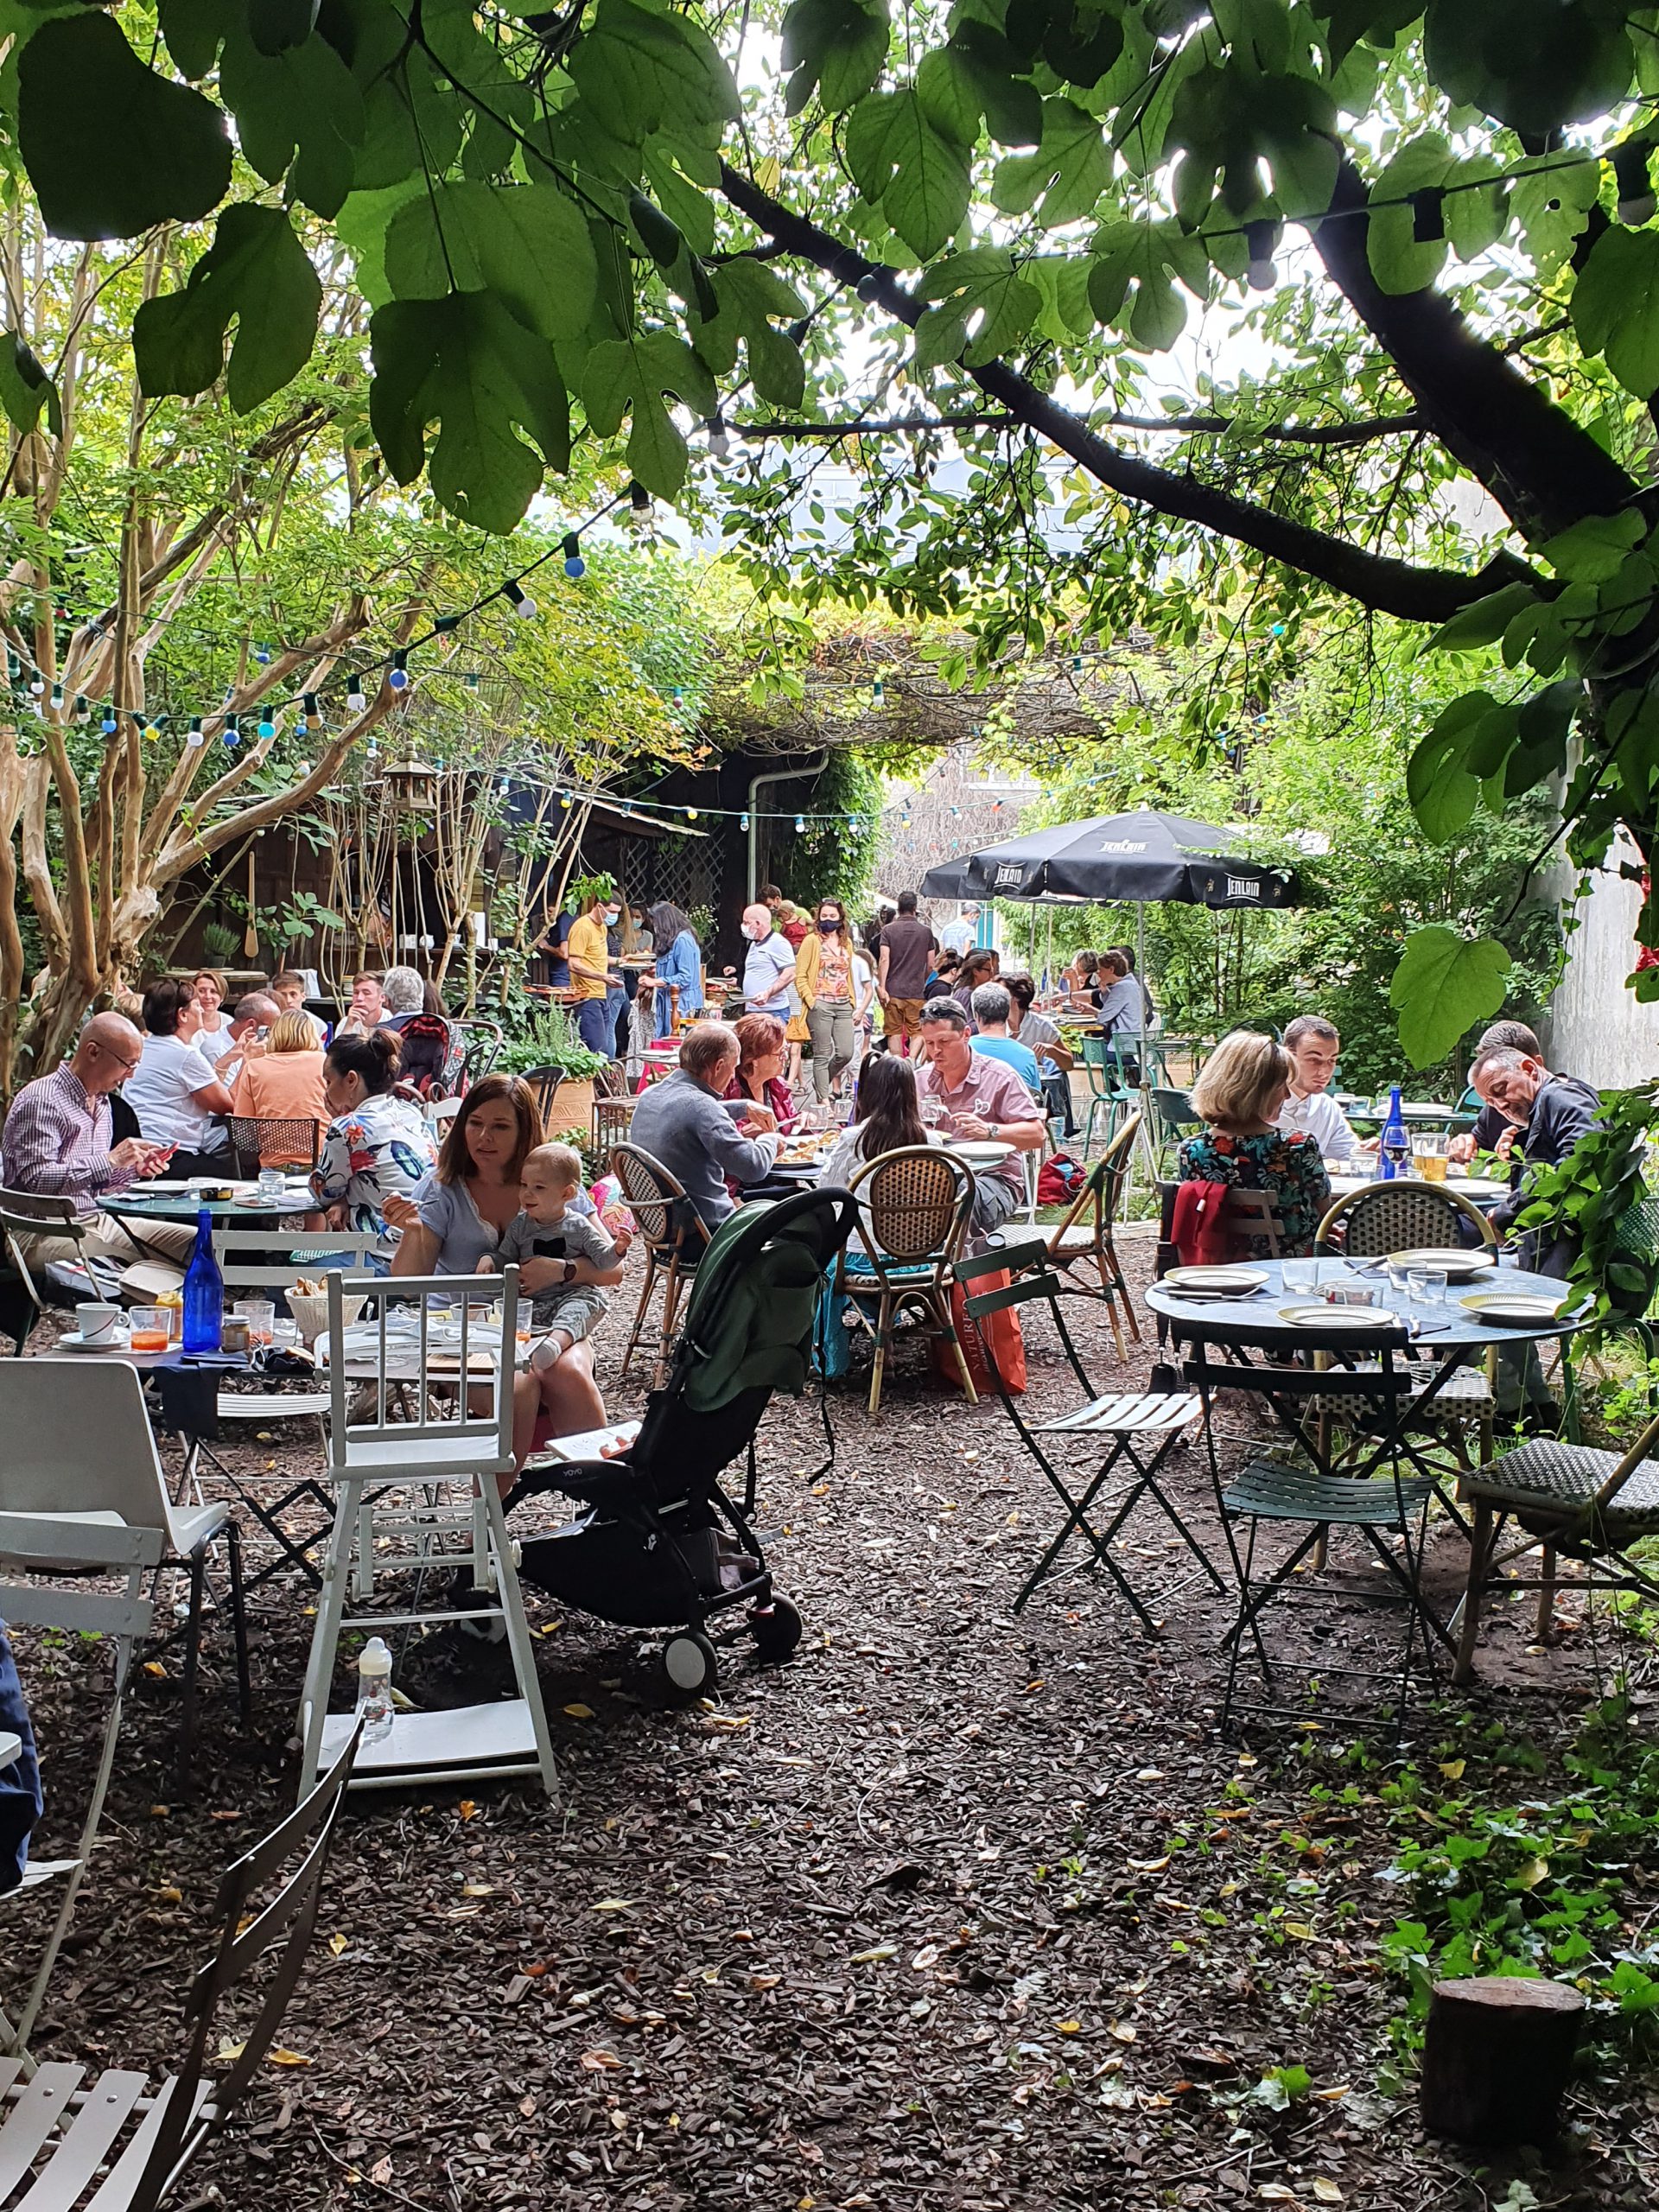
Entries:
{"x":983,"y":1098}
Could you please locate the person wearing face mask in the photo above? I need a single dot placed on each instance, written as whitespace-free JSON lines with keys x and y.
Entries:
{"x":823,"y":976}
{"x":589,"y":957}
{"x":677,"y":969}
{"x":768,"y":967}
{"x":617,"y":979}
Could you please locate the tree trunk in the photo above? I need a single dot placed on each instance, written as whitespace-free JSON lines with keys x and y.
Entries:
{"x":1496,"y":2059}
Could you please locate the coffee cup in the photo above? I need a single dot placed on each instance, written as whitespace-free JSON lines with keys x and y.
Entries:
{"x":100,"y":1325}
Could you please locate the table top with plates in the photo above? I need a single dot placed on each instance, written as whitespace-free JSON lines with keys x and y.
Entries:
{"x":1482,"y":1190}
{"x":165,"y":1200}
{"x":1284,"y":1303}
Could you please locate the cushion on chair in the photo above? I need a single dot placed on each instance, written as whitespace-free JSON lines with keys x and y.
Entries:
{"x":1544,"y":1475}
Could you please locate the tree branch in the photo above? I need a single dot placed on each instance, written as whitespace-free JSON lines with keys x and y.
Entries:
{"x":1541,"y":468}
{"x":1389,"y":586}
{"x":1358,"y":433}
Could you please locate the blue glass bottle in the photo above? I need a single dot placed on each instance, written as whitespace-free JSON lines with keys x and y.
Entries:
{"x":1394,"y":1146}
{"x":204,"y":1291}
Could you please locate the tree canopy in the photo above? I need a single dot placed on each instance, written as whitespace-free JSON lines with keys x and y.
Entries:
{"x":592,"y":226}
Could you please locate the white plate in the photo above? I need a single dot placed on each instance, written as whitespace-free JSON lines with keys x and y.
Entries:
{"x":73,"y":1341}
{"x":1461,"y":1262}
{"x":1321,"y":1316}
{"x":979,"y":1152}
{"x":1215,"y":1279}
{"x":1518,"y":1309}
{"x":144,"y":1183}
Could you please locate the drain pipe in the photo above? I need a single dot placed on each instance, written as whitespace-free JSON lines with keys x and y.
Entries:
{"x":774,"y":776}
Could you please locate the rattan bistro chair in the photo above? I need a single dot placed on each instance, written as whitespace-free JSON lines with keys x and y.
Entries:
{"x":1593,"y":1506}
{"x":913,"y":1210}
{"x":674,"y":1237}
{"x":1083,"y":1240}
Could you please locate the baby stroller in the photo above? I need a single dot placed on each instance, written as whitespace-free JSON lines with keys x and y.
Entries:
{"x":658,"y":1543}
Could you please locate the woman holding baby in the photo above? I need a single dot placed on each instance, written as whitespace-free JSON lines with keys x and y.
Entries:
{"x":469,"y":1209}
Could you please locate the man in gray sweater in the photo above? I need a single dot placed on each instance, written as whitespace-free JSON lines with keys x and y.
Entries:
{"x":686,"y":1121}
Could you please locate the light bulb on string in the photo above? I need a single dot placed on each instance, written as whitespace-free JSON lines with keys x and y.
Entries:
{"x":1261,"y":240}
{"x":398,"y":679}
{"x":518,"y":599}
{"x":312,"y":708}
{"x":877,"y":696}
{"x":443,"y":624}
{"x":372,"y":751}
{"x":14,"y":670}
{"x":473,"y":679}
{"x":356,"y":697}
{"x":267,"y":728}
{"x":720,"y":439}
{"x":639,"y":505}
{"x":1077,"y":664}
{"x":152,"y":728}
{"x":231,"y":733}
{"x":743,"y":822}
{"x":1637,"y":204}
{"x":83,"y":711}
{"x":565,"y":801}
{"x":262,"y":654}
{"x":107,"y":722}
{"x":800,"y":822}
{"x":37,"y":685}
{"x":57,"y":698}
{"x":574,"y":566}
{"x":690,"y":813}
{"x":194,"y":735}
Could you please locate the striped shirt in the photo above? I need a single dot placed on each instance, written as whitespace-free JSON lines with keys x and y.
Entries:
{"x":56,"y":1142}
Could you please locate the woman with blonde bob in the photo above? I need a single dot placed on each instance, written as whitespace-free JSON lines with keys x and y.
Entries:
{"x":1238,"y":1094}
{"x":284,"y":1084}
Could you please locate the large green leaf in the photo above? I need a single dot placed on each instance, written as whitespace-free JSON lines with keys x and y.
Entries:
{"x":839,"y":45}
{"x":300,"y":102}
{"x":983,"y":287}
{"x":1144,"y":256}
{"x":25,"y":387}
{"x":111,"y":149}
{"x":633,"y":376}
{"x":752,"y":294}
{"x":1444,"y":984}
{"x":1615,"y":307}
{"x":257,"y":272}
{"x":638,"y":72}
{"x":528,"y":243}
{"x":1482,"y":622}
{"x":901,"y":160}
{"x":1533,"y":64}
{"x":1065,"y":176}
{"x":493,"y":389}
{"x":1399,"y":261}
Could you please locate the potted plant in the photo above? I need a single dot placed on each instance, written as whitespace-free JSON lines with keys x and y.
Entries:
{"x":548,"y":1052}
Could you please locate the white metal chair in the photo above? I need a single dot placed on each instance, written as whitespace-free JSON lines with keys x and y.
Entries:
{"x":457,"y":1394}
{"x":44,"y":1547}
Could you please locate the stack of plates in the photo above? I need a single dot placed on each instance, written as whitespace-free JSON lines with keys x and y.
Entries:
{"x":1216,"y":1283}
{"x":1461,"y":1262}
{"x":1321,"y":1316}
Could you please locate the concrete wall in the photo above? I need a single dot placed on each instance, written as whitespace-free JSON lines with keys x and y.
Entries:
{"x":1595,"y":1028}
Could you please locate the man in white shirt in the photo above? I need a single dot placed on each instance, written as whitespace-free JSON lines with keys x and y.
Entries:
{"x":957,"y":936}
{"x":1310,"y":1110}
{"x":768,"y":967}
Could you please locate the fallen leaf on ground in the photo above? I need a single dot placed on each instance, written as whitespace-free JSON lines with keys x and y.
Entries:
{"x":579,"y":1712}
{"x":280,"y":2056}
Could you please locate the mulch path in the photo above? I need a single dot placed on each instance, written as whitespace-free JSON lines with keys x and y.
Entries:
{"x":954,"y":1911}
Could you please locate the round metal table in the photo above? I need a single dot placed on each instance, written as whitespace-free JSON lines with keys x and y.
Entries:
{"x":1444,"y":1324}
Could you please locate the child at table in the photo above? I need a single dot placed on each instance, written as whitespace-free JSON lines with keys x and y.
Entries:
{"x":564,"y":1312}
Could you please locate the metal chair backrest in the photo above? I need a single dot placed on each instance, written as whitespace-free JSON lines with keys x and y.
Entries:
{"x":1255,"y":1214}
{"x":480,"y":1044}
{"x":252,"y":1925}
{"x":1103,"y":1187}
{"x":1175,"y":1112}
{"x":1100,"y":1066}
{"x":305,"y":1252}
{"x":1034,"y":1280}
{"x":661,"y":1210}
{"x":1399,"y":1216}
{"x":78,"y":1439}
{"x":914,"y":1204}
{"x":398,"y":1345}
{"x":291,"y":1141}
{"x":29,"y":1213}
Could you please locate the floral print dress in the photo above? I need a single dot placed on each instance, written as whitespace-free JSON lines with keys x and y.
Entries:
{"x":1289,"y":1168}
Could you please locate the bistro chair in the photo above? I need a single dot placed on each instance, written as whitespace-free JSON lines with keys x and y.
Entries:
{"x":613,"y":1109}
{"x":1127,"y":1424}
{"x":1172,"y":1119}
{"x":1307,"y":1494}
{"x":914,"y":1207}
{"x":1563,"y":1498}
{"x":1108,"y":1094}
{"x":43,"y":1558}
{"x":25,"y":1215}
{"x":452,"y":1447}
{"x":290,"y":1140}
{"x":105,"y":2141}
{"x":1083,"y":1240}
{"x":80,"y":1451}
{"x":1404,"y":1215}
{"x":675,"y":1239}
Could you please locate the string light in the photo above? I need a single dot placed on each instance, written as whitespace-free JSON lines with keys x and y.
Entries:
{"x":312,"y":711}
{"x":262,"y":654}
{"x":194,"y":735}
{"x":398,"y":678}
{"x":719,"y":440}
{"x":638,"y":505}
{"x":473,"y":679}
{"x":267,"y":728}
{"x":800,"y":822}
{"x":37,"y":685}
{"x":574,"y":566}
{"x":83,"y":712}
{"x":152,"y":728}
{"x":690,"y":813}
{"x":1637,"y":204}
{"x":1263,"y":241}
{"x":57,"y":698}
{"x":356,"y":697}
{"x":518,"y":599}
{"x":231,"y":734}
{"x":877,"y":696}
{"x":107,"y":722}
{"x":743,"y":822}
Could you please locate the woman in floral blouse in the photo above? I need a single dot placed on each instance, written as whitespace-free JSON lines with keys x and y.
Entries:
{"x":376,"y":1145}
{"x":1244,"y":1083}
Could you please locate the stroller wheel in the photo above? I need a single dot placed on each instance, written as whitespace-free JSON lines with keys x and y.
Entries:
{"x":689,"y":1662}
{"x":776,"y":1628}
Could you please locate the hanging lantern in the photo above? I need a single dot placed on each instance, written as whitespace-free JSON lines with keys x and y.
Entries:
{"x":412,"y":787}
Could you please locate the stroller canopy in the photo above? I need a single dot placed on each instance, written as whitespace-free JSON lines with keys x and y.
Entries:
{"x":749,"y":1324}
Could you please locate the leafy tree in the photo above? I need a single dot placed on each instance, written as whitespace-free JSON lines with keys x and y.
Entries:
{"x":563,"y":222}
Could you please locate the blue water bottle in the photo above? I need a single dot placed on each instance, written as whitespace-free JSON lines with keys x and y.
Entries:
{"x":1394,"y":1146}
{"x":204,"y":1291}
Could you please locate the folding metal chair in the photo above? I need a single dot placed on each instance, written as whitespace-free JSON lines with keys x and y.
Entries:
{"x":1107,"y":1093}
{"x":455,"y":1448}
{"x":1084,"y":1239}
{"x":1131,"y":1423}
{"x":104,"y":2142}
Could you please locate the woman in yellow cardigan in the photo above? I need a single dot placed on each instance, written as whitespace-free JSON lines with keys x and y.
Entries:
{"x":824,"y":978}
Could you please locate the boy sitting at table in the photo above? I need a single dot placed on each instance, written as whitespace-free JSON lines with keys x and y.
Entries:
{"x":564,"y":1312}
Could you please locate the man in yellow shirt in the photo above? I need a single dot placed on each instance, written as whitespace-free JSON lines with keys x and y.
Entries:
{"x":589,"y":957}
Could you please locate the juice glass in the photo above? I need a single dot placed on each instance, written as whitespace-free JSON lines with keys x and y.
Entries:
{"x":152,"y":1328}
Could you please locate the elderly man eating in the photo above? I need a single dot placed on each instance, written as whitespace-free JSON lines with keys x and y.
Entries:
{"x":686,"y":1122}
{"x":56,"y":1143}
{"x":981,"y":1098}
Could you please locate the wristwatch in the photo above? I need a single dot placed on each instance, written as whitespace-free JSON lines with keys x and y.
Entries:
{"x":991,"y":1127}
{"x":569,"y":1275}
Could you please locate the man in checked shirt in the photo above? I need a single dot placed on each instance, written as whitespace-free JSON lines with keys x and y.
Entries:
{"x":56,"y":1144}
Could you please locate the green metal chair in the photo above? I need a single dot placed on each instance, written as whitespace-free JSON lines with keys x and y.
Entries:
{"x":1108,"y":1092}
{"x":1173,"y":1118}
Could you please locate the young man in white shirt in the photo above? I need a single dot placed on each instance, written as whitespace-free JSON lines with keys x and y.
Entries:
{"x":1313,"y":1046}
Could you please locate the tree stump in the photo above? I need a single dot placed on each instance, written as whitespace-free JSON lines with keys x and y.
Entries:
{"x":1496,"y":2057}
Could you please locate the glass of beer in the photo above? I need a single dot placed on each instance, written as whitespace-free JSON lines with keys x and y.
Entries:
{"x":1428,"y":1156}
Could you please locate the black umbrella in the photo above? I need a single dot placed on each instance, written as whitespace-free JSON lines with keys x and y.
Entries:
{"x":1141,"y":858}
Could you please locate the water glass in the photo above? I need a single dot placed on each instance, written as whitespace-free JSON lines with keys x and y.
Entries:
{"x":1400,"y":1284}
{"x":1427,"y":1286}
{"x":1301,"y":1275}
{"x":260,"y":1314}
{"x":932,"y":1112}
{"x":272,"y":1183}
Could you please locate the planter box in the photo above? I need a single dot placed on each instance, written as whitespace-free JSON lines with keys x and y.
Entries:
{"x":564,"y":1105}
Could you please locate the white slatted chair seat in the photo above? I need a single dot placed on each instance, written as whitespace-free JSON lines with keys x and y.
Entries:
{"x":1127,"y":1412}
{"x":290,"y":1405}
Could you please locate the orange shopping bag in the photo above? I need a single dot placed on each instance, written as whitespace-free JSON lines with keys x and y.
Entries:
{"x":1001,"y":1330}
